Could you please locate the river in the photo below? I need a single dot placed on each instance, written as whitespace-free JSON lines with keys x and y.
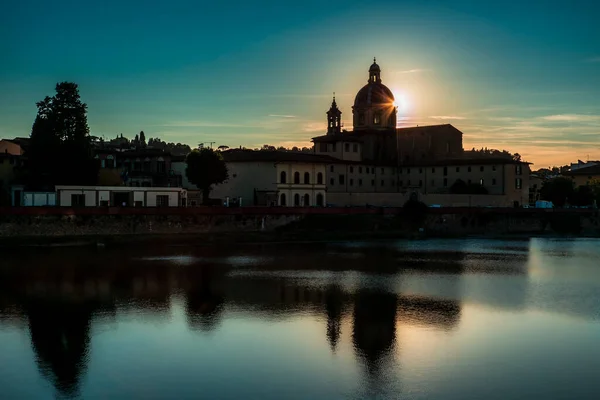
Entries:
{"x":432,"y":319}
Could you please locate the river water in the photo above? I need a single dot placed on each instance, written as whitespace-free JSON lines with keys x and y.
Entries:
{"x":447,"y":319}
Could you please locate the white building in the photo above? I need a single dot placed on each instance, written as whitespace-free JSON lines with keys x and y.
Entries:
{"x":267,"y":178}
{"x":120,"y":196}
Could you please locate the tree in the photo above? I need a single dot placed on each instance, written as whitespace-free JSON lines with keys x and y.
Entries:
{"x":558,"y":191}
{"x":204,"y":169}
{"x":60,"y":150}
{"x":142,"y":139}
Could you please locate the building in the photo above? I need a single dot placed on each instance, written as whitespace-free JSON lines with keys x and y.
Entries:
{"x":585,"y":175}
{"x":10,"y":147}
{"x":269,"y":178}
{"x":147,"y":167}
{"x":120,"y":196}
{"x":375,"y":137}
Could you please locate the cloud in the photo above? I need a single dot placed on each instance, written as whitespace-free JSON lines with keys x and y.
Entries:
{"x":282,"y":116}
{"x":572,"y":118}
{"x":411,"y":71}
{"x":204,"y":124}
{"x":593,"y":59}
{"x":447,"y":117}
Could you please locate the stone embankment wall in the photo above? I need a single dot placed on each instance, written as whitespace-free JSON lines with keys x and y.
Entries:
{"x":297,"y":224}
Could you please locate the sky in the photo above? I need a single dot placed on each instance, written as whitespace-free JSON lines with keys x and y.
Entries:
{"x":517,"y":75}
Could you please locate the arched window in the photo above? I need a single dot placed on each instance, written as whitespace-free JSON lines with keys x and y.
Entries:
{"x":376,"y":119}
{"x":282,"y":199}
{"x":282,"y":179}
{"x":320,"y":178}
{"x":296,"y":177}
{"x":306,"y":178}
{"x":320,"y":200}
{"x":306,"y":200}
{"x":296,"y":199}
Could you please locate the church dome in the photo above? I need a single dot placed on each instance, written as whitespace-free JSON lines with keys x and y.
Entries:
{"x":374,"y":104}
{"x":373,"y":93}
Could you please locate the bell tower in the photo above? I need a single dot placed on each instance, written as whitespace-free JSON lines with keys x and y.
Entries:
{"x":334,"y":119}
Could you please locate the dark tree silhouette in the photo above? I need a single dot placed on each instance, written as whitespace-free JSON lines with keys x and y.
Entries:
{"x":60,"y":150}
{"x":143,"y":139}
{"x":558,"y":191}
{"x":205,"y":168}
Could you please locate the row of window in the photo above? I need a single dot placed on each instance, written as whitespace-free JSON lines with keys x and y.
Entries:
{"x":371,"y":170}
{"x":283,"y":178}
{"x":341,"y":180}
{"x":324,"y":147}
{"x":301,"y":201}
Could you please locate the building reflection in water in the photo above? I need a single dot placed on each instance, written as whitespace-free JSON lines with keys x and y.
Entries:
{"x":61,"y":302}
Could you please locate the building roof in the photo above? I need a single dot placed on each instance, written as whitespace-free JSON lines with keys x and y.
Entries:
{"x":237,"y":155}
{"x":589,"y":171}
{"x":341,"y":137}
{"x":427,"y":128}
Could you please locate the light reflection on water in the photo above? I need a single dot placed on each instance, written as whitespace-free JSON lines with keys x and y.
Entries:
{"x":441,"y":319}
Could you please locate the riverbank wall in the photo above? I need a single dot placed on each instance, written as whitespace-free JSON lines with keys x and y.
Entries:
{"x":18,"y":225}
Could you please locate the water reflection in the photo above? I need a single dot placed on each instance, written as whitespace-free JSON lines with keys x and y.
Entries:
{"x":361,"y":297}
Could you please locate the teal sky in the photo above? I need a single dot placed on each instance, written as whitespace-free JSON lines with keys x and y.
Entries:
{"x":517,"y":75}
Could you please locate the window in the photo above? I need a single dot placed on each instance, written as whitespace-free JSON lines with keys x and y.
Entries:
{"x":331,"y":182}
{"x":282,"y":177}
{"x":445,"y":171}
{"x":481,"y":169}
{"x":360,"y":182}
{"x":351,"y":182}
{"x":162,"y":201}
{"x":382,"y":171}
{"x":433,"y":182}
{"x":351,"y":169}
{"x":102,"y":163}
{"x":400,"y":171}
{"x":518,"y":183}
{"x":360,"y":170}
{"x":493,"y":167}
{"x":408,"y":183}
{"x":323,"y":147}
{"x":420,"y":170}
{"x":103,"y":203}
{"x":445,"y":182}
{"x":376,"y":119}
{"x":306,"y":178}
{"x":392,"y":183}
{"x":433,"y":170}
{"x":320,"y":178}
{"x":306,"y":200}
{"x":341,"y":179}
{"x":469,"y":182}
{"x":110,"y":162}
{"x":372,"y":182}
{"x":518,"y":169}
{"x":400,"y":183}
{"x":347,"y":147}
{"x":469,"y":169}
{"x":457,"y":169}
{"x":481,"y":182}
{"x":320,"y":200}
{"x":331,"y":168}
{"x":147,"y":166}
{"x":296,"y":199}
{"x":355,"y":148}
{"x":77,"y":200}
{"x":135,"y":203}
{"x":373,"y":170}
{"x":296,"y":177}
{"x":420,"y":183}
{"x":161,"y":166}
{"x":333,"y":147}
{"x":382,"y":182}
{"x":282,"y":200}
{"x":137,"y":165}
{"x":361,"y":119}
{"x":493,"y":181}
{"x":408,"y":170}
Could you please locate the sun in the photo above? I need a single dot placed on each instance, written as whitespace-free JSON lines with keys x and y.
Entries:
{"x":401,"y":101}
